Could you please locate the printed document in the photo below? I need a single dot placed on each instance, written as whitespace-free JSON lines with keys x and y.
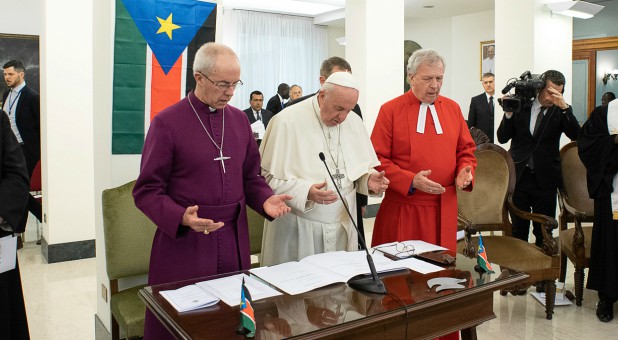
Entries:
{"x":8,"y":253}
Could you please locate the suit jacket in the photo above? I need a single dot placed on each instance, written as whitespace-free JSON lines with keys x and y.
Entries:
{"x":544,"y":146}
{"x":266,"y":116}
{"x":274,"y":104}
{"x":28,"y":120}
{"x":14,"y":181}
{"x":481,"y":116}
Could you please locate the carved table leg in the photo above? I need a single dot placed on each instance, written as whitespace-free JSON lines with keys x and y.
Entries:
{"x":579,"y":285}
{"x":550,"y":298}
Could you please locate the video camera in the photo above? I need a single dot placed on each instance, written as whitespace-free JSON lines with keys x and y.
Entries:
{"x":526,"y":88}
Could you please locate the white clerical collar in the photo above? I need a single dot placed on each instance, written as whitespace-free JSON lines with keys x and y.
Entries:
{"x":422,"y":117}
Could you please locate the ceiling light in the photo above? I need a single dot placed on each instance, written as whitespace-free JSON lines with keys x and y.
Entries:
{"x":577,"y":9}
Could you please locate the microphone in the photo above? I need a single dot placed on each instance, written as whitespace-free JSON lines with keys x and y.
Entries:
{"x":371,"y":284}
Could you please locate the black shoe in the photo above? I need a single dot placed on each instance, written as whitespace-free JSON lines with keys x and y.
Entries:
{"x":605,"y":311}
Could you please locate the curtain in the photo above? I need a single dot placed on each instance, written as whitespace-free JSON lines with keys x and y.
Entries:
{"x":274,"y":49}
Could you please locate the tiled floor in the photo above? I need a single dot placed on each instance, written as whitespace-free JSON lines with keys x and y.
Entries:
{"x":61,"y":304}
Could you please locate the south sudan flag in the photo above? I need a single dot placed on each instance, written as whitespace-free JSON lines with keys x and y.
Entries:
{"x":247,"y":316}
{"x":481,"y":257}
{"x":154,"y":45}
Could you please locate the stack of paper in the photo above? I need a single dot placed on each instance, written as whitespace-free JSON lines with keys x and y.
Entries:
{"x":407,"y":249}
{"x":208,"y":293}
{"x":189,"y":298}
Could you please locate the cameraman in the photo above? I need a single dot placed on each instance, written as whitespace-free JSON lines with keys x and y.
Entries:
{"x":535,"y":133}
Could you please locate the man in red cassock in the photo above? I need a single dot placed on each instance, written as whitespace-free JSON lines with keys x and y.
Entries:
{"x":425,"y":148}
{"x":200,"y":168}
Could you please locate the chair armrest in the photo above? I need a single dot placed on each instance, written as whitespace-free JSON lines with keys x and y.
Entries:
{"x":469,"y":229}
{"x":548,"y":224}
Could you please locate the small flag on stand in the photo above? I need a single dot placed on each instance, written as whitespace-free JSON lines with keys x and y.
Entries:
{"x":247,"y":316}
{"x":481,"y":257}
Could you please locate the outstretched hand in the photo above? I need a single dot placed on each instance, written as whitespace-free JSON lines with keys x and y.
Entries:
{"x":275,"y":205}
{"x":422,"y":182}
{"x":201,"y":225}
{"x":377,"y":182}
{"x":320,"y":196}
{"x":464,"y":178}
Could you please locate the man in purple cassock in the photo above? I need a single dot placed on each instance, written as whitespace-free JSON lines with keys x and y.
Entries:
{"x":200,"y":166}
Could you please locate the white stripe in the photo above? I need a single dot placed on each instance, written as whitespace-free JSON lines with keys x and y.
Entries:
{"x":147,"y":86}
{"x":183,"y":74}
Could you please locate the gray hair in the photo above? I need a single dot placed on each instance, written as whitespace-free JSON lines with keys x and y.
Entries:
{"x":206,"y":57}
{"x":423,"y":56}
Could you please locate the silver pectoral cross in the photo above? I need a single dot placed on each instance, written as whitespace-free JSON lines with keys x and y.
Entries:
{"x":221,"y":158}
{"x":338,"y":177}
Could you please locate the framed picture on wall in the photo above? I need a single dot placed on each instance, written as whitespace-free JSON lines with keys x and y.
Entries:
{"x":26,"y":49}
{"x":488,"y":57}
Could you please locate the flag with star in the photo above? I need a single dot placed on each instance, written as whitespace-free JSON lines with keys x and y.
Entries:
{"x":154,"y":45}
{"x":481,"y":257}
{"x":247,"y":316}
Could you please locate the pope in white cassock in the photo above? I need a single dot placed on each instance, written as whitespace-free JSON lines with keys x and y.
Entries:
{"x":291,"y":164}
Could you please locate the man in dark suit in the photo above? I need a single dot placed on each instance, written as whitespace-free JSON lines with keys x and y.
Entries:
{"x":277,"y":102}
{"x":535,"y":137}
{"x":23,"y":107}
{"x":14,"y":186}
{"x":330,"y":66}
{"x":256,"y":113}
{"x":481,"y":114}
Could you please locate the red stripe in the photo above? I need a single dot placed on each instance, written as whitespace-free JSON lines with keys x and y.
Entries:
{"x":164,"y":88}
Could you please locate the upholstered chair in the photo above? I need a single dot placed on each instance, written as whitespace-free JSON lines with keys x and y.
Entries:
{"x":128,"y":239}
{"x":486,"y":208}
{"x":575,"y":207}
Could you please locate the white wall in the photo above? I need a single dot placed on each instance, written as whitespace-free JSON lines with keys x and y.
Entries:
{"x":21,"y":17}
{"x":334,"y":49}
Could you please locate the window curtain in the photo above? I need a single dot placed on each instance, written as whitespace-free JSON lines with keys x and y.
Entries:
{"x":274,"y":49}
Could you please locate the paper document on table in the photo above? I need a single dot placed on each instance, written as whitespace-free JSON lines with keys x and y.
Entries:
{"x":228,"y":288}
{"x":258,"y":129}
{"x":407,"y":249}
{"x":8,"y":253}
{"x":418,"y":266}
{"x":320,"y":270}
{"x":188,"y":298}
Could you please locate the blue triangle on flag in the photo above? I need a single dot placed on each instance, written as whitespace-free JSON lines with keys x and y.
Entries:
{"x":185,"y":18}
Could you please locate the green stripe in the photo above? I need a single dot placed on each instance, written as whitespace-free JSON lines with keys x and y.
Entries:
{"x":129,"y":80}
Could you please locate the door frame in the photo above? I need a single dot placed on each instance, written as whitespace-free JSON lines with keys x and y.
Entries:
{"x":586,"y":49}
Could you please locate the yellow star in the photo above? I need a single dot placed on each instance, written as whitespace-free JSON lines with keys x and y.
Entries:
{"x":167,"y":26}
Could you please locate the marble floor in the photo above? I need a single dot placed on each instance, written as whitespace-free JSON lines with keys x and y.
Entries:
{"x":61,"y":304}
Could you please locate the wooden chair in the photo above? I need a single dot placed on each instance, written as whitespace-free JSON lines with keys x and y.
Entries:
{"x":576,"y":207}
{"x":256,"y":230}
{"x":487,"y":208}
{"x":128,"y":239}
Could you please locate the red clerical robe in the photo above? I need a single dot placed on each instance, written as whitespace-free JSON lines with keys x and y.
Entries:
{"x":402,"y":153}
{"x":178,"y":170}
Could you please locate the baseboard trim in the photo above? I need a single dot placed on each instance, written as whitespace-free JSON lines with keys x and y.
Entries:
{"x":69,"y":251}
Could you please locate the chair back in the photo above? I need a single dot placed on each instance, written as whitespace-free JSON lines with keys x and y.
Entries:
{"x":256,"y":230}
{"x":486,"y":205}
{"x":128,"y":234}
{"x":574,"y":180}
{"x":35,"y":179}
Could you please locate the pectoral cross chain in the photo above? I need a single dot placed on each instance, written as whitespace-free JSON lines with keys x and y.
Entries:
{"x":223,"y":158}
{"x":338,"y":177}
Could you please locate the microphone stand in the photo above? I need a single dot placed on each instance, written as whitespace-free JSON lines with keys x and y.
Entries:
{"x":371,"y":284}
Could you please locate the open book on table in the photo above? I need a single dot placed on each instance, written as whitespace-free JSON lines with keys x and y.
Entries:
{"x":320,"y":270}
{"x":208,"y":293}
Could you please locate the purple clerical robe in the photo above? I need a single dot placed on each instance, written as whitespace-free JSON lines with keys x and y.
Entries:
{"x":179,"y":170}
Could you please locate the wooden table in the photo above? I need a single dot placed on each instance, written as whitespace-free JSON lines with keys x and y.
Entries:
{"x":408,"y":311}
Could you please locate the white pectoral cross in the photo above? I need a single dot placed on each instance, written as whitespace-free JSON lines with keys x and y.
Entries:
{"x":221,"y":158}
{"x":338,"y":177}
